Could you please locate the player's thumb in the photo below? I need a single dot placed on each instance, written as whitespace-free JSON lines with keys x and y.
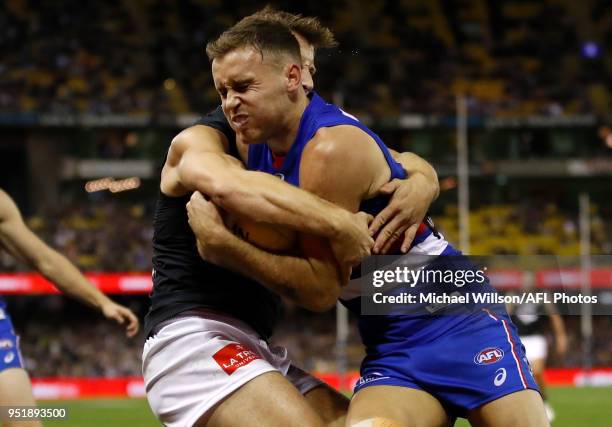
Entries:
{"x":389,"y":187}
{"x":196,"y":195}
{"x":366,"y":217}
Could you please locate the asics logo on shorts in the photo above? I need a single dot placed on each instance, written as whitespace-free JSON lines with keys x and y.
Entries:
{"x":9,"y":357}
{"x":374,"y":376}
{"x":488,"y":356}
{"x":500,"y":377}
{"x":234,"y":356}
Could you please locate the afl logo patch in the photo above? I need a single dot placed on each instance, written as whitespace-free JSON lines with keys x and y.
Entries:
{"x":488,"y":356}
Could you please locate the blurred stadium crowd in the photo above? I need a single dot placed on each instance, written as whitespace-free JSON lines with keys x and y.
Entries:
{"x":92,"y":349}
{"x":93,"y":236}
{"x":512,"y":57}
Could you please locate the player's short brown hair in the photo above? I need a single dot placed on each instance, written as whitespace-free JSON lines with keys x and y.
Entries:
{"x":308,"y":27}
{"x":265,"y":36}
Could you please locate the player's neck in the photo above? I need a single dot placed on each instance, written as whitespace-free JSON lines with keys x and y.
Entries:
{"x":281,"y":144}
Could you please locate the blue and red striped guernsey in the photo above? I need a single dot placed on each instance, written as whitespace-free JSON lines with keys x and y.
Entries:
{"x":317,"y":115}
{"x":320,"y":114}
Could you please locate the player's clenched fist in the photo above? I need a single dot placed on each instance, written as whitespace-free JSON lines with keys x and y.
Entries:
{"x":205,"y":219}
{"x":355,"y":242}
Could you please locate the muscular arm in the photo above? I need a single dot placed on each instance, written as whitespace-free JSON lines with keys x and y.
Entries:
{"x":410,"y":200}
{"x":197,"y":161}
{"x":306,"y":280}
{"x":417,"y":167}
{"x":341,"y":173}
{"x":20,"y":242}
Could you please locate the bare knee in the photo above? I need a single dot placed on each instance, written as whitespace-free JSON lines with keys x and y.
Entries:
{"x":393,"y":406}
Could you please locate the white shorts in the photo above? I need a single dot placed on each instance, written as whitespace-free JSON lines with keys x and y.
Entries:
{"x":194,"y":362}
{"x":536,"y":347}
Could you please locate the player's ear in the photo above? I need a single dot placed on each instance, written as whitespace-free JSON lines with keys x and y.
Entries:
{"x":293,"y":73}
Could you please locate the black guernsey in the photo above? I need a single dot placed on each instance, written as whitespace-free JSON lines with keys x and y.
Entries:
{"x":183,"y":281}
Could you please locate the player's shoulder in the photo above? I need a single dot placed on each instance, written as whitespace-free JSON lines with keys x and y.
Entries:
{"x":8,"y":208}
{"x":337,"y":141}
{"x":5,"y":199}
{"x":216,"y":120}
{"x":198,"y":137}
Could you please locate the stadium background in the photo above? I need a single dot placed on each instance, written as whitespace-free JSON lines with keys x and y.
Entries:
{"x":90,"y":98}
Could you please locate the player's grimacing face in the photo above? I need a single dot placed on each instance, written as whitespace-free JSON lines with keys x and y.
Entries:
{"x":253,"y":93}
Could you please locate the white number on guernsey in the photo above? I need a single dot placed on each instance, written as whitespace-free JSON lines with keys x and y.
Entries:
{"x":500,"y":378}
{"x":348,"y":115}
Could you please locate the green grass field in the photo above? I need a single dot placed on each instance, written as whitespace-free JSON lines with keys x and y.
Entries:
{"x":575,"y":407}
